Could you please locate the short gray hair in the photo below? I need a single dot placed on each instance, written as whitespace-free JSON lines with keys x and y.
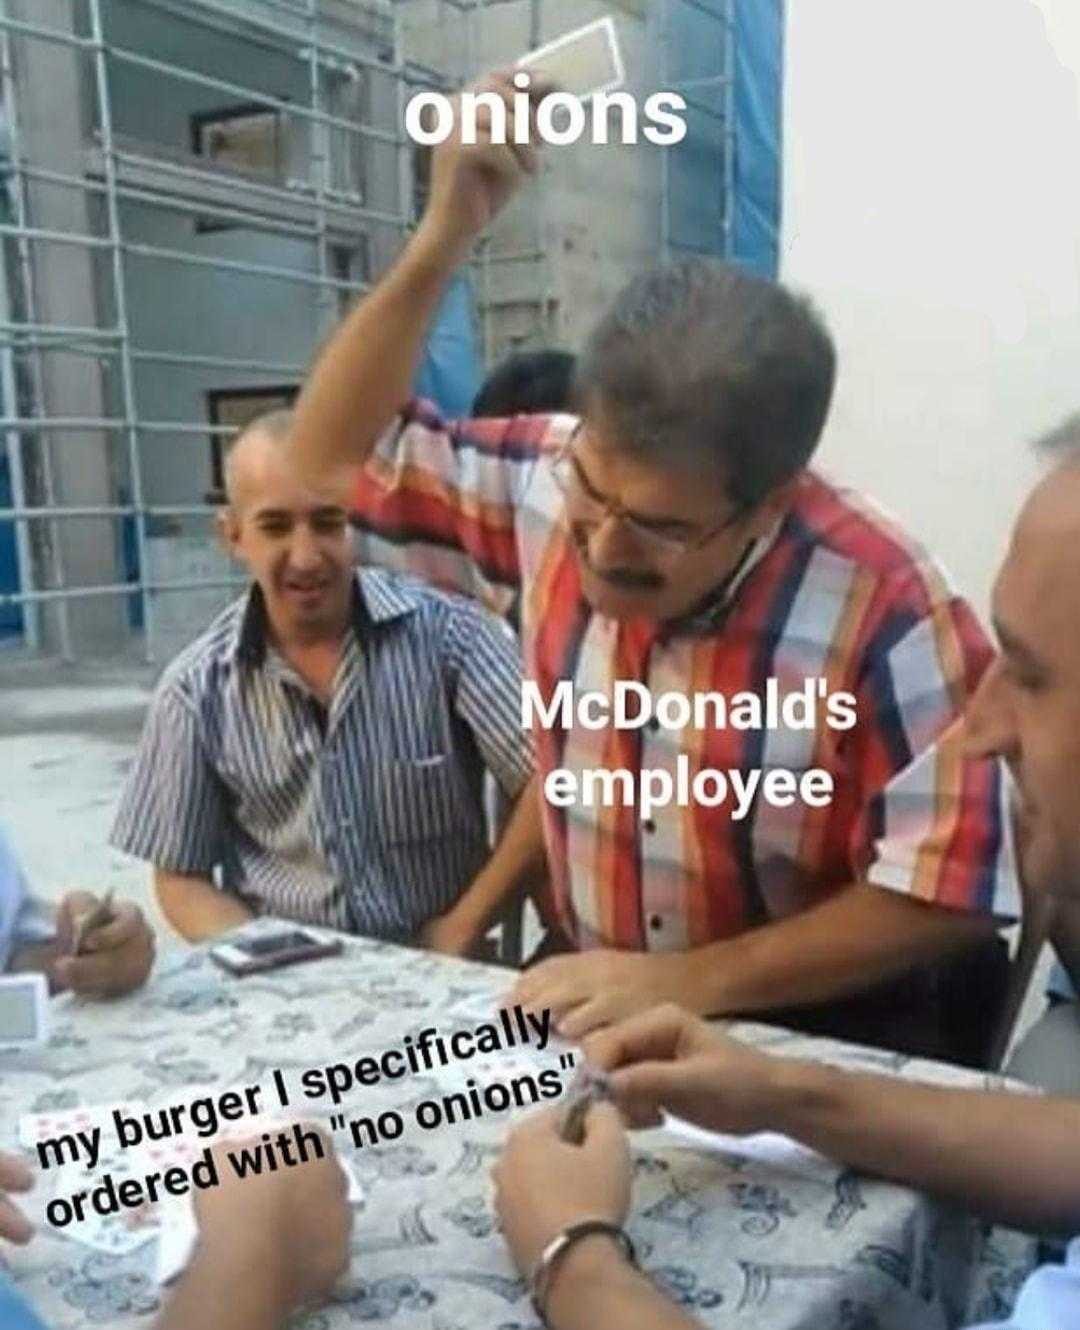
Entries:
{"x":1062,"y":443}
{"x":708,"y":362}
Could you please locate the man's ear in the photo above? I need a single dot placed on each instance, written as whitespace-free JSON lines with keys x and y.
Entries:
{"x":227,"y":525}
{"x":776,"y":503}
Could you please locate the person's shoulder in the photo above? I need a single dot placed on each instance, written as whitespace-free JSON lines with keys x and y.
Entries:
{"x":443,"y":620}
{"x":195,"y":668}
{"x":854,"y":528}
{"x":389,"y":594}
{"x":521,"y":438}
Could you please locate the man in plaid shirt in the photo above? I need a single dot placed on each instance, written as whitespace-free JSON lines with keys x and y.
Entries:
{"x":674,"y":536}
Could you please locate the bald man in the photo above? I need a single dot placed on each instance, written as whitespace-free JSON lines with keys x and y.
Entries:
{"x":318,"y":753}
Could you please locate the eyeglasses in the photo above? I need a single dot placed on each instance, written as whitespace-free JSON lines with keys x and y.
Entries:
{"x":589,"y":508}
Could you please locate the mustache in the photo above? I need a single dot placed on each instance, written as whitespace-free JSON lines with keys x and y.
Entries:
{"x":629,"y":579}
{"x":625,"y":579}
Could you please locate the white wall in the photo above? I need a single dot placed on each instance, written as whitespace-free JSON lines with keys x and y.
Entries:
{"x":932,"y":209}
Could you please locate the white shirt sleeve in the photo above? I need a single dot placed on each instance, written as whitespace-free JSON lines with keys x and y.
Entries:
{"x":23,"y":919}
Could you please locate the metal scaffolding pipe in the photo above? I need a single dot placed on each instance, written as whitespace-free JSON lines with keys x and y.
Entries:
{"x":107,"y":511}
{"x":118,"y":589}
{"x":193,"y":13}
{"x":251,"y":94}
{"x":42,"y":330}
{"x":127,"y":371}
{"x":112,"y":423}
{"x":193,"y":175}
{"x":35,"y":233}
{"x":178,"y":358}
{"x":39,"y":33}
{"x":170,"y":203}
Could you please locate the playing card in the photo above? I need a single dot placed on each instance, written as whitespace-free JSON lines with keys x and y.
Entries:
{"x":179,"y":1228}
{"x":588,"y":1087}
{"x":583,"y":62}
{"x":117,"y":1234}
{"x":37,"y":1127}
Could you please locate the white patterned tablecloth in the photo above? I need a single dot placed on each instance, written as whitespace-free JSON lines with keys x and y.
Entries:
{"x":742,"y":1237}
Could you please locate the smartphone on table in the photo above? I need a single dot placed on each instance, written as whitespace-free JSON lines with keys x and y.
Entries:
{"x":288,"y":945}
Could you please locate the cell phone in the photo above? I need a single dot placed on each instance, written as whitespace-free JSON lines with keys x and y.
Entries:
{"x":269,"y":951}
{"x":24,"y":1011}
{"x":583,"y":62}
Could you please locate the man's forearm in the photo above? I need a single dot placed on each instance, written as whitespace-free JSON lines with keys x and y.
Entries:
{"x":1065,"y":935}
{"x":195,"y":907}
{"x":517,"y":862}
{"x":1010,"y":1157}
{"x":862,"y":936}
{"x":364,"y":374}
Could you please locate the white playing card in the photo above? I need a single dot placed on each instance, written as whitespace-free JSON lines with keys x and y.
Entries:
{"x":37,"y":1127}
{"x":583,"y":62}
{"x":119,"y":1233}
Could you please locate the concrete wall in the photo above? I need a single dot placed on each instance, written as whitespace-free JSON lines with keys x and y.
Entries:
{"x":932,"y":208}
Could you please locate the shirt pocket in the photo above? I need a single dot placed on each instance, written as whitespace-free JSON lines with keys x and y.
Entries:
{"x":420,"y":799}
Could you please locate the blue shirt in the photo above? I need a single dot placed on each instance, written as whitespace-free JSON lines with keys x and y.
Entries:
{"x":22,"y":919}
{"x":366,"y":815}
{"x":1050,"y":1300}
{"x":14,"y":1313}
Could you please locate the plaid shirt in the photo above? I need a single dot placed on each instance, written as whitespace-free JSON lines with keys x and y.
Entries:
{"x":836,"y":591}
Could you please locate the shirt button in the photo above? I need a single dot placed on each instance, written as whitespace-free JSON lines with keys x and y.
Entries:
{"x":656,"y":923}
{"x":649,"y":825}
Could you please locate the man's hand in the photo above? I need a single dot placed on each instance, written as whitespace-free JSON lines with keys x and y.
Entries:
{"x":596,"y":988}
{"x":117,"y":957}
{"x":471,"y":183}
{"x":14,"y":1176}
{"x":542,"y":1183}
{"x":669,"y":1059}
{"x":298,"y":1218}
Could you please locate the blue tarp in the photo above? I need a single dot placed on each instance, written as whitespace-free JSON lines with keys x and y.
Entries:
{"x":696,"y":178}
{"x":451,"y":370}
{"x":759,"y":71}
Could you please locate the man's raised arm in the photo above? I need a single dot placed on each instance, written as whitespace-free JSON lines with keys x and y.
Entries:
{"x":364,"y":374}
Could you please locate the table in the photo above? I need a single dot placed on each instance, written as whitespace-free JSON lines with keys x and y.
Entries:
{"x":739,"y":1240}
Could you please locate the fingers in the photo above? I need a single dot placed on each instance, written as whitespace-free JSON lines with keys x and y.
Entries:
{"x":15,"y":1173}
{"x":127,"y":925}
{"x":661,"y":1034}
{"x":541,"y":978}
{"x":74,"y":906}
{"x":642,"y":1091}
{"x":588,"y":1017}
{"x":604,"y":1129}
{"x":14,"y":1225}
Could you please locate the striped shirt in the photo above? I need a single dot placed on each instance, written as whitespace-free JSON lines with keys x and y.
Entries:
{"x":836,"y":591}
{"x":367,"y":816}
